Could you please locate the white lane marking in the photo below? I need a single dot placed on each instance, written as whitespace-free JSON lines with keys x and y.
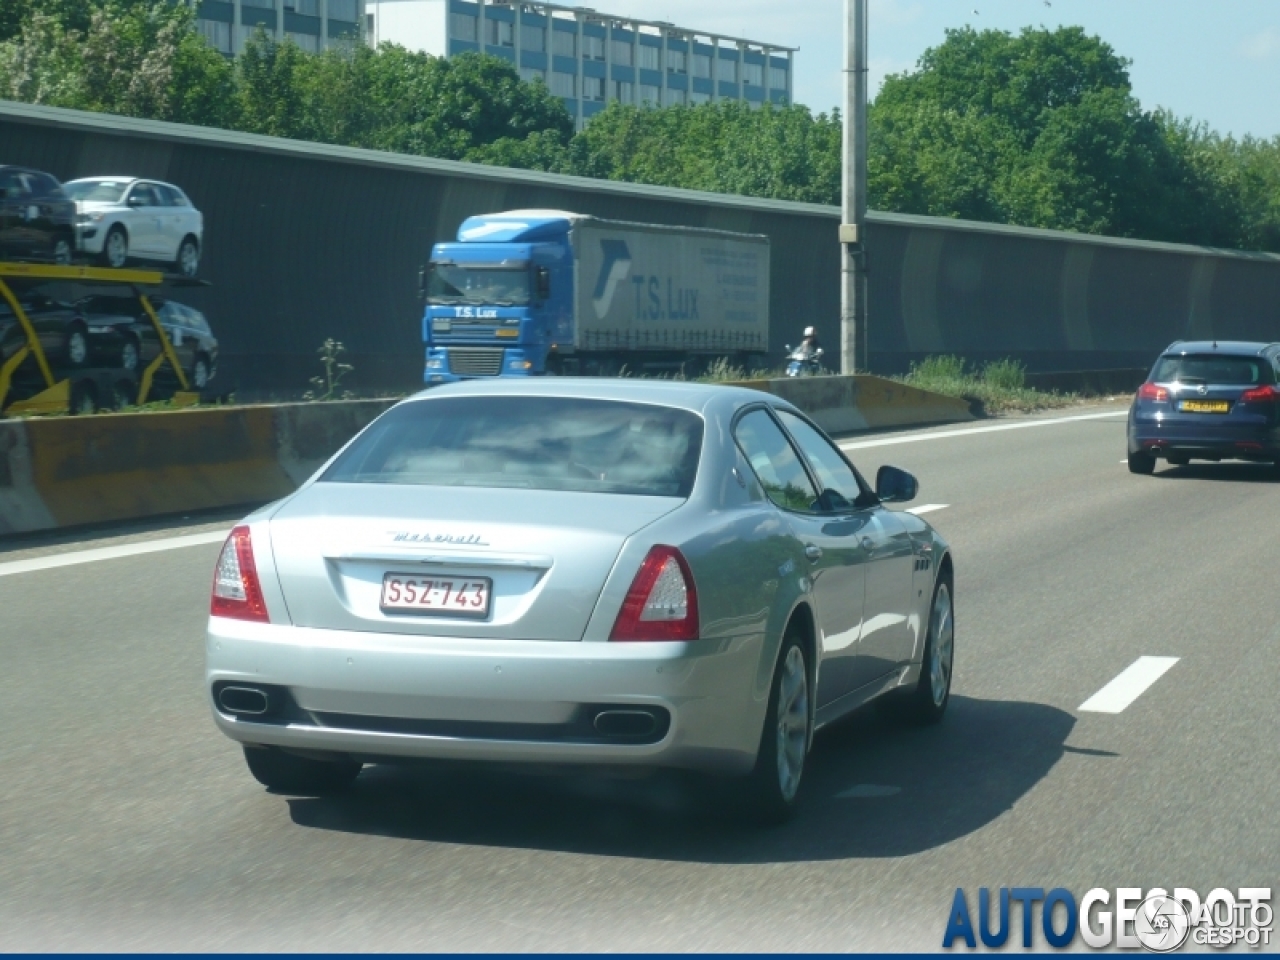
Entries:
{"x":1129,"y":686}
{"x":865,"y":791}
{"x":945,"y":434}
{"x":927,"y":508}
{"x":110,"y":553}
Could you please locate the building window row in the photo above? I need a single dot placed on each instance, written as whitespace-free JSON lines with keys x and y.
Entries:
{"x":217,"y":33}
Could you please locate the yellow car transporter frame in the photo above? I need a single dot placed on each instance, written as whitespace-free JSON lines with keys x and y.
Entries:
{"x":56,"y":395}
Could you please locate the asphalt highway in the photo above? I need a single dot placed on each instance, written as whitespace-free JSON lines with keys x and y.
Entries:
{"x":127,"y":822}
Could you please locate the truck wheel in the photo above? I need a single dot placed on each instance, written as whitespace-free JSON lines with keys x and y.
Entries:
{"x":84,"y":399}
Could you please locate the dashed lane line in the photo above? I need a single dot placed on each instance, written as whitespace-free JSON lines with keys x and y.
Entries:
{"x":926,"y":508}
{"x":1133,"y":681}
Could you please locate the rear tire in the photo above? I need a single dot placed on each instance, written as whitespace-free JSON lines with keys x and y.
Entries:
{"x":201,"y":371}
{"x":1142,"y":463}
{"x":287,"y":773}
{"x":131,"y":356}
{"x":774,"y":785}
{"x":187,"y":263}
{"x":63,"y":250}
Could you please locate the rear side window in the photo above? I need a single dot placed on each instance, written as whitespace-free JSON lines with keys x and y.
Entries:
{"x":1212,"y":369}
{"x":775,"y":462}
{"x":534,"y":443}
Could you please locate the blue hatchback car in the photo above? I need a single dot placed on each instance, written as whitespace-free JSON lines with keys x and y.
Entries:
{"x":1206,"y":400}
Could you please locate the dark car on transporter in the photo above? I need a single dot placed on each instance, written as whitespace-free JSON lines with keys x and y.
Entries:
{"x":133,"y":337}
{"x":1208,"y":400}
{"x":37,"y":218}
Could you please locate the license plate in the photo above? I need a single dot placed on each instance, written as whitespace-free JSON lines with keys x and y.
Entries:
{"x":439,"y":596}
{"x":1204,"y":406}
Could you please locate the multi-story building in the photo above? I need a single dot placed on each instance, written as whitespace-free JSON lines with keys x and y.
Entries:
{"x":590,"y":58}
{"x":312,"y":24}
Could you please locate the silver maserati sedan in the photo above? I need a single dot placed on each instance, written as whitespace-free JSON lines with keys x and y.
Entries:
{"x":604,"y":572}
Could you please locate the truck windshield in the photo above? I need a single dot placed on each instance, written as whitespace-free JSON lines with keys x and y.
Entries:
{"x":477,"y":283}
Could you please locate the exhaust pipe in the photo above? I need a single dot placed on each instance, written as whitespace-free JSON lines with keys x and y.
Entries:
{"x":625,"y":723}
{"x":244,"y":701}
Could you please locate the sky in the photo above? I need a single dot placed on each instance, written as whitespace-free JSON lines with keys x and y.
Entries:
{"x":1216,"y":61}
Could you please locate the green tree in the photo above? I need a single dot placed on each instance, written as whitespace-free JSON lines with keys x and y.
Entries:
{"x":132,"y":58}
{"x":780,"y":152}
{"x":1040,"y":129}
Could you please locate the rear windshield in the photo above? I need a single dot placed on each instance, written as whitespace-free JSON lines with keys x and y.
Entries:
{"x":535,"y":443}
{"x":1208,"y":368}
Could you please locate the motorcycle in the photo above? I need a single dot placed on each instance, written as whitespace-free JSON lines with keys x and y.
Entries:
{"x":802,"y":364}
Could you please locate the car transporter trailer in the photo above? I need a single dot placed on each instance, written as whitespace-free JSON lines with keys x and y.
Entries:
{"x":85,"y":385}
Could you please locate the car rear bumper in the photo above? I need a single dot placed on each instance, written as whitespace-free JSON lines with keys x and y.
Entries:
{"x":376,"y":696}
{"x":1230,"y":437}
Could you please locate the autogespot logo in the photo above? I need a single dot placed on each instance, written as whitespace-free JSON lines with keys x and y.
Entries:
{"x":1155,"y":920}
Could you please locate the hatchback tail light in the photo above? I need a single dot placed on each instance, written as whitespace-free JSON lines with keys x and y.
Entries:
{"x":1150,"y":391}
{"x":237,"y":593}
{"x":662,"y":603}
{"x":1267,"y":394}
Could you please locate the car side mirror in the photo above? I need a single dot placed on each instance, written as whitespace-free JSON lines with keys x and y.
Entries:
{"x":422,"y":283}
{"x":896,"y":486}
{"x":544,"y":284}
{"x":135,"y":201}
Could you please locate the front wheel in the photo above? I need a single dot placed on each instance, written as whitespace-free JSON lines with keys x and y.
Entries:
{"x":115,"y":248}
{"x":933,"y":691}
{"x":287,"y":773}
{"x":1143,"y":463}
{"x":75,"y":347}
{"x":774,"y":784}
{"x":130,"y":355}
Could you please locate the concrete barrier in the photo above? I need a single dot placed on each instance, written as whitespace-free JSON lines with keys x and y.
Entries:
{"x":844,"y":404}
{"x":77,"y":471}
{"x":74,"y":471}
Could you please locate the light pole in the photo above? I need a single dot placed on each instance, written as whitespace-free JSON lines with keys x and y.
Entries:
{"x":853,"y":260}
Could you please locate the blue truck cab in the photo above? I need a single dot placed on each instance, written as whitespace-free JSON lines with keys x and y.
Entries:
{"x":500,"y":299}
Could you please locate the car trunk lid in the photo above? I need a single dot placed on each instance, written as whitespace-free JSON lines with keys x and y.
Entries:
{"x":546,"y":555}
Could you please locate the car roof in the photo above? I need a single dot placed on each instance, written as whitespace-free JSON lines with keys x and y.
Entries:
{"x":105,"y":179}
{"x":1237,"y":348}
{"x":703,"y":398}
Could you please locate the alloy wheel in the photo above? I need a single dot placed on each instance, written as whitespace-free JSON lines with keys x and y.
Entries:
{"x":77,"y":347}
{"x":943,"y":646}
{"x":793,"y":722}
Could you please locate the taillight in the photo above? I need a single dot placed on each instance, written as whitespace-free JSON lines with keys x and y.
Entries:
{"x":1267,"y":394}
{"x":662,"y":603}
{"x":236,"y":591}
{"x":1149,"y":391}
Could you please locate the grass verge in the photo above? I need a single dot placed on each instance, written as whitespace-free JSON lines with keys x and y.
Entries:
{"x":1000,"y":386}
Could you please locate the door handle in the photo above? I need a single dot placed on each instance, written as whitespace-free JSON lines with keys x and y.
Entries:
{"x":868,"y":543}
{"x":814,"y":553}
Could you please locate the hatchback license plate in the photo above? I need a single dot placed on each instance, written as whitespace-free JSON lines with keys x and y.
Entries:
{"x":1204,"y":406}
{"x":439,"y":596}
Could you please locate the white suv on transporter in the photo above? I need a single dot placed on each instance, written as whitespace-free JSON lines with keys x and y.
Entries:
{"x":123,"y":218}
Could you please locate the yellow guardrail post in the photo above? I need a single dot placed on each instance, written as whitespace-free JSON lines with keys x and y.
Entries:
{"x":6,"y":372}
{"x":166,"y":353}
{"x":33,"y":342}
